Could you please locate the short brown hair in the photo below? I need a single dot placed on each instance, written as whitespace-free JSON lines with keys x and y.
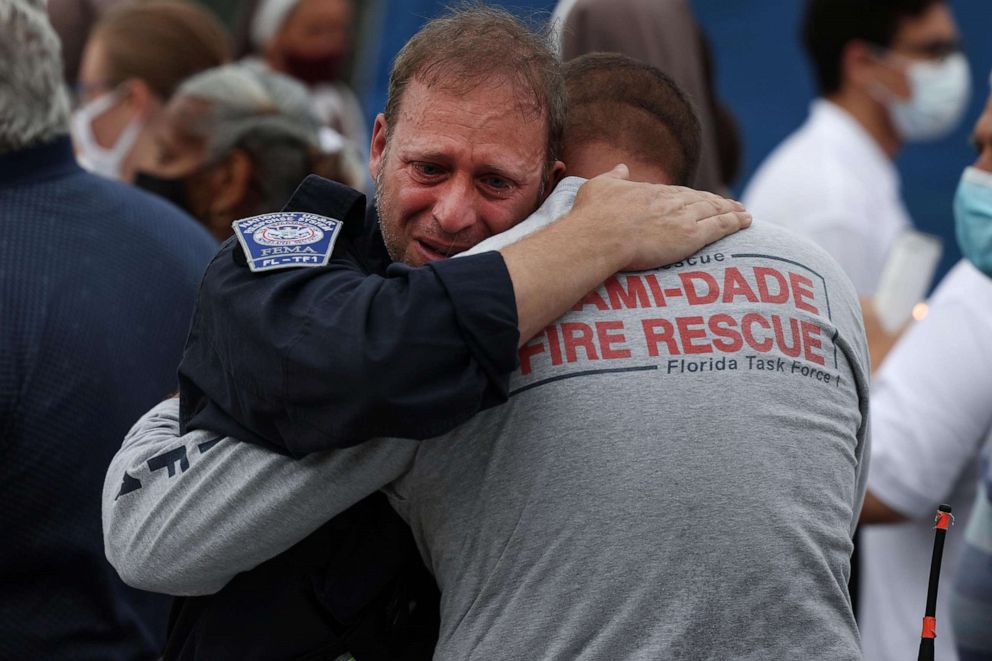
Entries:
{"x":633,"y":106}
{"x":162,"y":42}
{"x":473,"y":44}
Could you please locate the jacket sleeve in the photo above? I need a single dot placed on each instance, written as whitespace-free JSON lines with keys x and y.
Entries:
{"x":183,"y":514}
{"x":309,"y":359}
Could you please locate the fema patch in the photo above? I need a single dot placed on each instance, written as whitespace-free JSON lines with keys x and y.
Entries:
{"x":287,"y":239}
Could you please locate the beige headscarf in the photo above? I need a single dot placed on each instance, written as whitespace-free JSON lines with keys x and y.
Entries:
{"x":662,"y":33}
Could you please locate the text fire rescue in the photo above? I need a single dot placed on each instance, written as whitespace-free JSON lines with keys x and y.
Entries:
{"x":713,"y":332}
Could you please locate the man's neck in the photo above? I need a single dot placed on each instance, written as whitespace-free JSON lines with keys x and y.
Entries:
{"x":872,"y":116}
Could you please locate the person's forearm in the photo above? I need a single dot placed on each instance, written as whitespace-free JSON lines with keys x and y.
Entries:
{"x":880,"y":341}
{"x":614,"y":225}
{"x":310,"y":360}
{"x":195,"y":510}
{"x":555,"y":267}
{"x":875,"y":511}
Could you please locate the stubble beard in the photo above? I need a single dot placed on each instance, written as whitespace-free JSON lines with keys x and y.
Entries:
{"x":391,"y":238}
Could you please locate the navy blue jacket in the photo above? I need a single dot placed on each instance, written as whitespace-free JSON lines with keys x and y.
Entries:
{"x":97,"y":281}
{"x":310,"y":359}
{"x":313,"y":358}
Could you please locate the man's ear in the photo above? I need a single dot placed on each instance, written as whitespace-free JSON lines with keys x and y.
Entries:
{"x":859,"y":66}
{"x":864,"y":69}
{"x":555,"y":175}
{"x":141,"y":97}
{"x":378,"y":147}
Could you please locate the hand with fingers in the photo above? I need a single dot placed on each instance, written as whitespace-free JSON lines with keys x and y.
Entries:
{"x":661,"y":224}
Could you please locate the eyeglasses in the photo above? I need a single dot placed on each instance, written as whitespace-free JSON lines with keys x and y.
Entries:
{"x":935,"y":49}
{"x":86,"y":91}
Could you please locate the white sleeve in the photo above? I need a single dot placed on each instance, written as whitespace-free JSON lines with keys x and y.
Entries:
{"x":556,"y":206}
{"x":851,"y":249}
{"x":931,"y":408}
{"x":184,"y":514}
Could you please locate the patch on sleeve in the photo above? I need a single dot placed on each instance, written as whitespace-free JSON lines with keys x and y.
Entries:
{"x":288,"y":239}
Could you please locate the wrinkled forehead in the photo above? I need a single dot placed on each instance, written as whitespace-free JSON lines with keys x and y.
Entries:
{"x":510,"y":94}
{"x":487,"y":120}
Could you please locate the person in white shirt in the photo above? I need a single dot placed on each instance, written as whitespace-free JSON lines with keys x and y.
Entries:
{"x":930,"y":416}
{"x":888,"y":73}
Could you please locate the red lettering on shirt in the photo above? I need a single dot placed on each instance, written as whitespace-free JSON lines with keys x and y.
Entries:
{"x":554,"y":346}
{"x":659,"y":297}
{"x":723,"y":325}
{"x":528,"y":351}
{"x":634,"y":296}
{"x":606,"y":340}
{"x":578,"y":336}
{"x":657,"y":331}
{"x":692,"y":295}
{"x":801,"y":291}
{"x":796,"y":348}
{"x":690,"y":330}
{"x":747,"y":323}
{"x":812,"y":343}
{"x":763,"y":275}
{"x":735,"y":285}
{"x":592,"y":298}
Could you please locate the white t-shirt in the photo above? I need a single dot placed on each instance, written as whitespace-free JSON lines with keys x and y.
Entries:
{"x":831,"y":183}
{"x":931,"y":411}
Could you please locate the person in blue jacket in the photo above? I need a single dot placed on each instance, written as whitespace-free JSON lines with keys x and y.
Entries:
{"x":97,"y":281}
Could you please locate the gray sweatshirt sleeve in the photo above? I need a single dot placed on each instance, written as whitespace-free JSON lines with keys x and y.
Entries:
{"x":184,"y":514}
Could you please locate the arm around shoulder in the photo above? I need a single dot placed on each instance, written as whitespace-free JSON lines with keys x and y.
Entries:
{"x":183,"y":514}
{"x":614,"y":225}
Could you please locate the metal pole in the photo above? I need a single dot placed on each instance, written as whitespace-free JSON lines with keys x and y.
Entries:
{"x":941,"y":523}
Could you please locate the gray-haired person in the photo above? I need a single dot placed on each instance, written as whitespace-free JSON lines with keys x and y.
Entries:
{"x":235,"y":141}
{"x":96,"y":301}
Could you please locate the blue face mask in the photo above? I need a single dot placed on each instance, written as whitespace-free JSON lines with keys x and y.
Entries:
{"x":973,"y":218}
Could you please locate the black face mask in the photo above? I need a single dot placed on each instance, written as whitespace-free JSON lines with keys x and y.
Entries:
{"x":315,"y":70}
{"x":174,"y":189}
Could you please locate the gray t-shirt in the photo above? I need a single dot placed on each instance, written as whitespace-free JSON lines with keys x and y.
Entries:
{"x":676,"y":475}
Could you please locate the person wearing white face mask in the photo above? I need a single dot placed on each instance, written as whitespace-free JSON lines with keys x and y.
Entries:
{"x":888,"y":73}
{"x":938,"y":93}
{"x":930,"y":417}
{"x":134,"y":59}
{"x":104,"y":161}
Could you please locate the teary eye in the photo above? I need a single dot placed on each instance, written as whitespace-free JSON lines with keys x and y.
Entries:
{"x":428,"y":169}
{"x":496,"y":182}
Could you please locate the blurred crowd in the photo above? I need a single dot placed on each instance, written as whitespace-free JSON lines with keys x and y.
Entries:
{"x":135,"y":137}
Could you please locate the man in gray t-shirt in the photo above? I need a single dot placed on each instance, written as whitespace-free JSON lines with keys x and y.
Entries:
{"x":676,"y":474}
